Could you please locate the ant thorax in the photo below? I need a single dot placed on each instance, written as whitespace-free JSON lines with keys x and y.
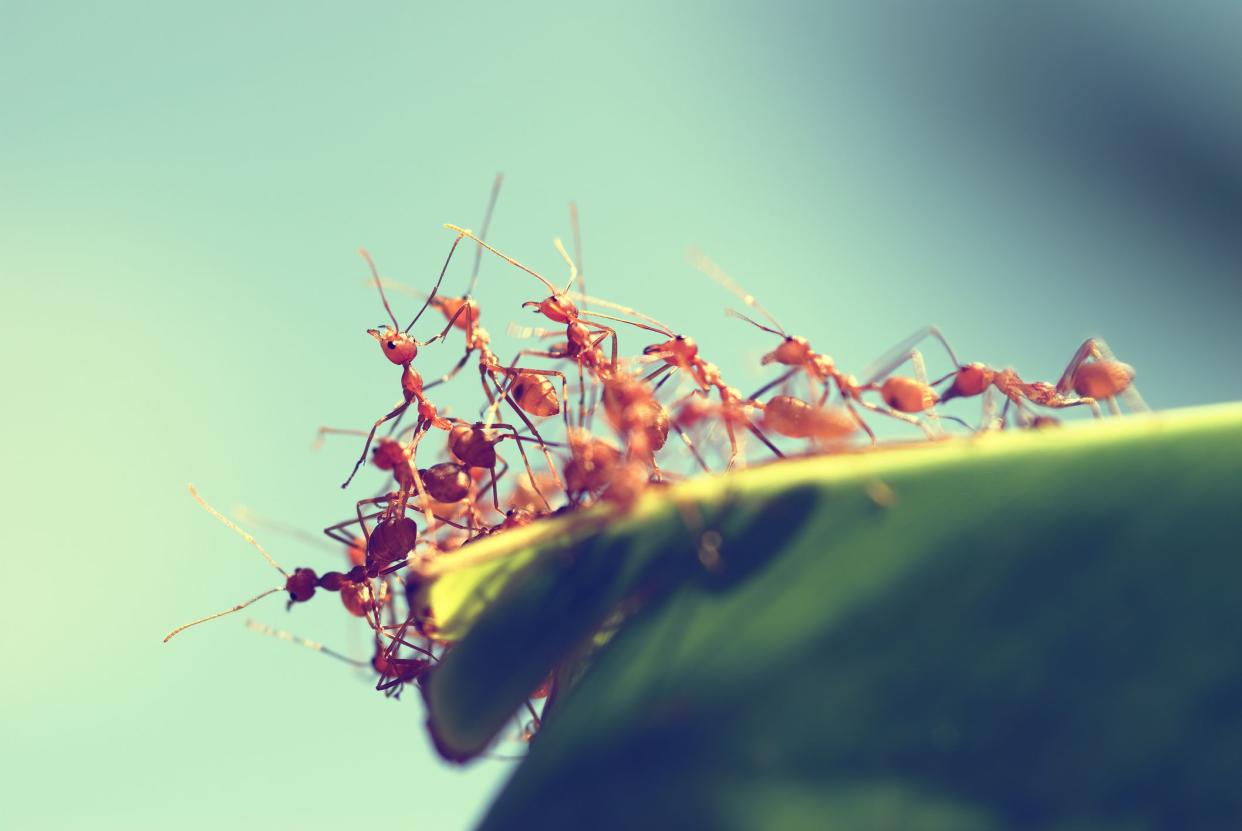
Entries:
{"x":398,"y":347}
{"x":821,"y":366}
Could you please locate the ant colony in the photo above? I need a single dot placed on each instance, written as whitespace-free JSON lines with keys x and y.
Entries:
{"x":575,"y":420}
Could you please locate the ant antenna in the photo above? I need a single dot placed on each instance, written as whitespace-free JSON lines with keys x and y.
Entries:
{"x":487,"y":222}
{"x":577,"y":231}
{"x":248,"y":539}
{"x":281,"y":634}
{"x":236,"y":608}
{"x":753,"y":322}
{"x":462,"y":232}
{"x":899,"y":354}
{"x":664,"y":328}
{"x":233,"y":526}
{"x":436,"y":288}
{"x":573,"y":269}
{"x":705,"y":264}
{"x":379,"y":284}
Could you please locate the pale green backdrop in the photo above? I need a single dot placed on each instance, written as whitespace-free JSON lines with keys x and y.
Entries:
{"x":182,"y":190}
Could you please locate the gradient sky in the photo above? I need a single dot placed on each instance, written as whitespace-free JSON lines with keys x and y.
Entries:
{"x":183,"y":189}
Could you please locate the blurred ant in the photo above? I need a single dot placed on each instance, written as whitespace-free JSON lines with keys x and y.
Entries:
{"x":902,"y":396}
{"x":392,"y":673}
{"x":1092,"y":375}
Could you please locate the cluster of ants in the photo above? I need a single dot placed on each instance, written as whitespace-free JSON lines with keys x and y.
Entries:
{"x":600,"y":419}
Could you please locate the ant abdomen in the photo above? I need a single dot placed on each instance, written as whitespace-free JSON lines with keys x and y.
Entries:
{"x":908,"y":395}
{"x":1103,"y":379}
{"x":391,"y":540}
{"x":536,"y":395}
{"x":796,"y":419}
{"x":473,"y":445}
{"x":446,"y":482}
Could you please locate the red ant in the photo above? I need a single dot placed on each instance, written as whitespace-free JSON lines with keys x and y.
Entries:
{"x":792,"y":417}
{"x":300,"y":585}
{"x":1092,"y":375}
{"x":400,"y":348}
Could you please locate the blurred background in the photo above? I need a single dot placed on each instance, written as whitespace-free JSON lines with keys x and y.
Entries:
{"x":182,"y":192}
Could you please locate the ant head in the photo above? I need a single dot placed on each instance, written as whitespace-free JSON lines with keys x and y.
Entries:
{"x":398,"y":347}
{"x":387,"y":453}
{"x":678,"y":349}
{"x":558,"y":308}
{"x":301,"y":585}
{"x":515,"y":518}
{"x":793,"y":351}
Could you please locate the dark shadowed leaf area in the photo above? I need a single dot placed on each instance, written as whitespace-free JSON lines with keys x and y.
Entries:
{"x":1036,"y":630}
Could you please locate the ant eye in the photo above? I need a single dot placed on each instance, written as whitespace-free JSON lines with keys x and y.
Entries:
{"x":392,"y":345}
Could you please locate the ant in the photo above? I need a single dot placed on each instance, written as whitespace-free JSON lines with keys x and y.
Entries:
{"x":902,"y":396}
{"x":300,"y":585}
{"x":401,"y":348}
{"x":1092,"y":375}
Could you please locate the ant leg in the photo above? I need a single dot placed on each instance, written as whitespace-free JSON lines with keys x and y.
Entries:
{"x":694,"y":451}
{"x":900,"y":353}
{"x":530,"y":473}
{"x":920,"y":374}
{"x":891,"y":413}
{"x":375,"y":500}
{"x":436,"y":287}
{"x":542,"y":444}
{"x":335,"y":431}
{"x":1096,"y":348}
{"x":759,"y":435}
{"x":1087,"y":350}
{"x":396,"y":411}
{"x":849,"y":405}
{"x":733,"y":445}
{"x":605,"y":334}
{"x":447,"y":327}
{"x":772,"y":384}
{"x":452,"y":373}
{"x":423,"y":498}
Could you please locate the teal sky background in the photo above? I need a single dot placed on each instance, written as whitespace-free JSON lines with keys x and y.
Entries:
{"x":183,"y":188}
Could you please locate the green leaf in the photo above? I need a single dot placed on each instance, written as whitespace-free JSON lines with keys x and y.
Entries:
{"x":1026,"y":630}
